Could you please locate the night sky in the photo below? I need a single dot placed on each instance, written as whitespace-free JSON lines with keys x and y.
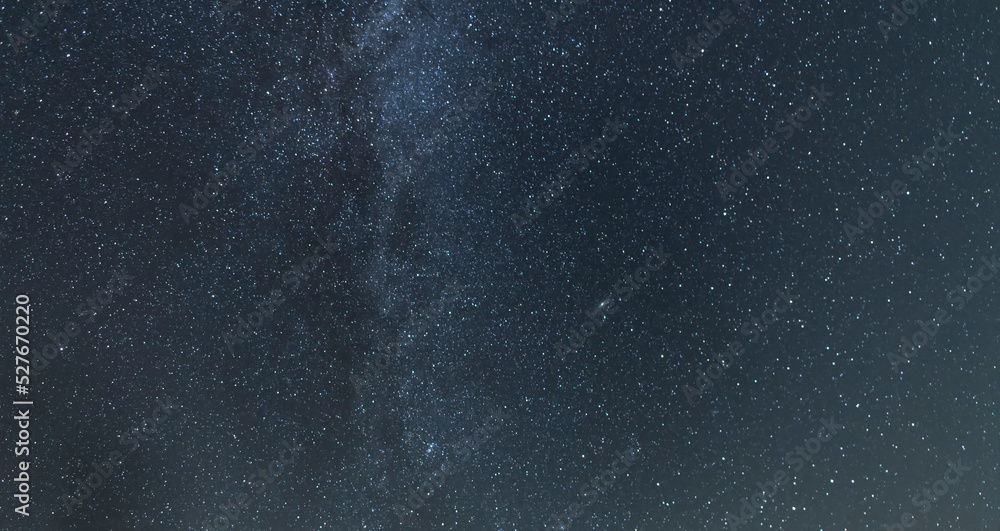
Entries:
{"x":511,"y":265}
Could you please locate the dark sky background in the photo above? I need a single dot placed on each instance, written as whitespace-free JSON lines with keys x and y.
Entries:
{"x":403,"y":232}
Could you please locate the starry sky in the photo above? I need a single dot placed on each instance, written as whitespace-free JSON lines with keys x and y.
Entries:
{"x":366,"y":231}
